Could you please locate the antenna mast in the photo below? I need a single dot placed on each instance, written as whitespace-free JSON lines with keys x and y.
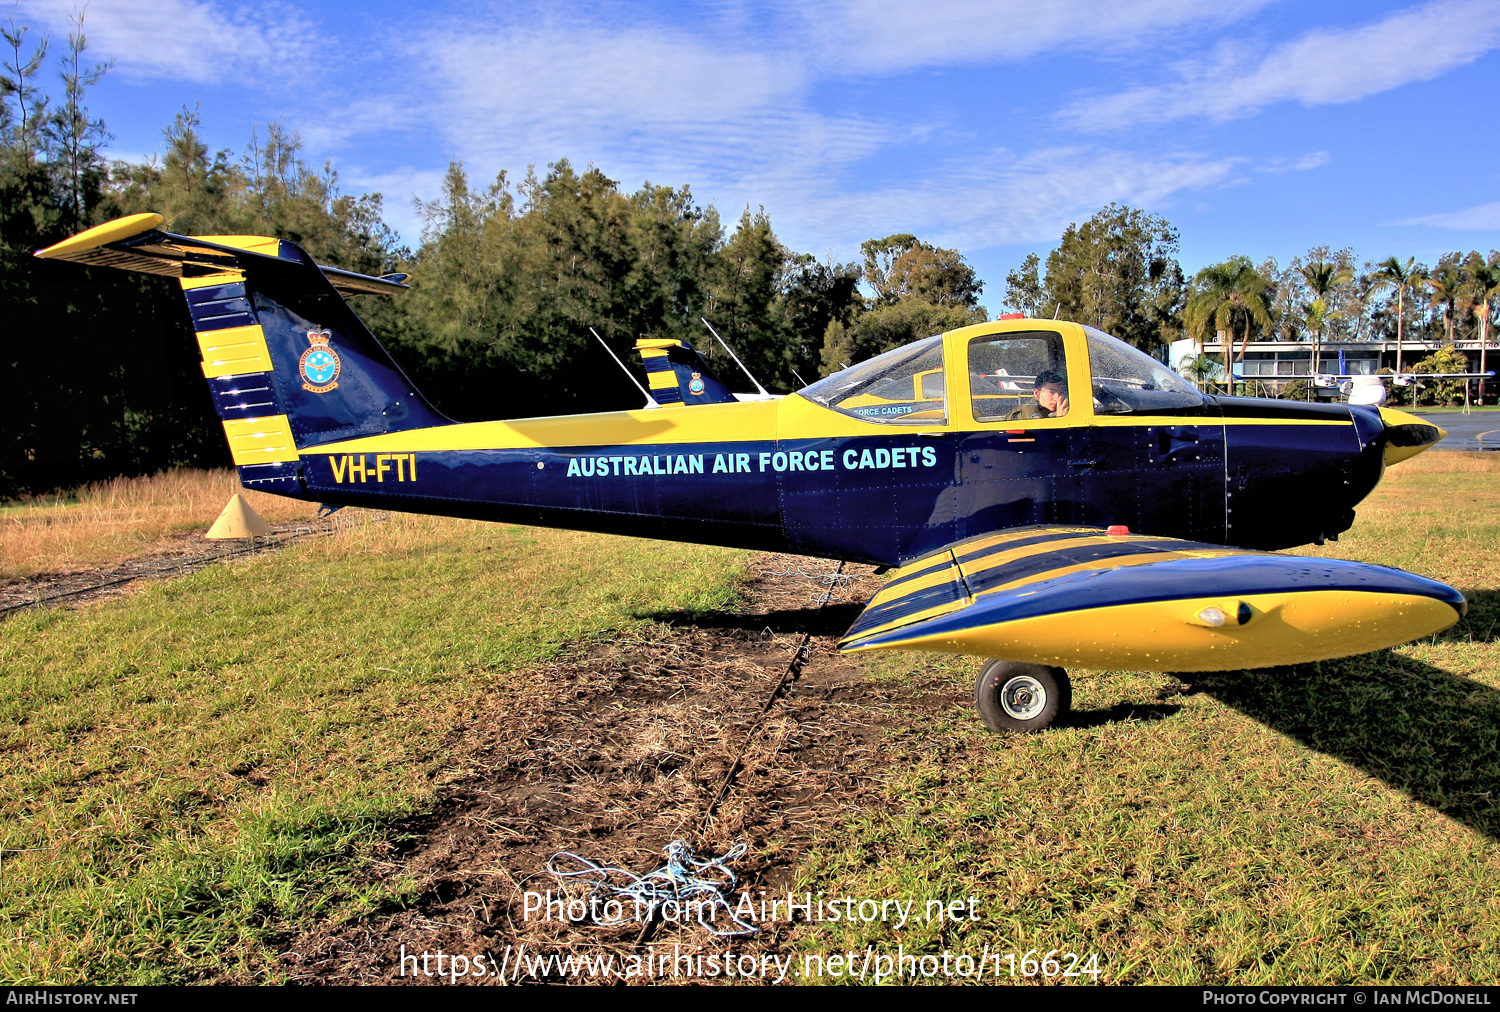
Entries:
{"x":736,"y":358}
{"x":650,"y":401}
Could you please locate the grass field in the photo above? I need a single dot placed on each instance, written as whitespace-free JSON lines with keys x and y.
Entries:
{"x":113,"y":520}
{"x":205,"y":763}
{"x":1328,"y":823}
{"x":176,"y":791}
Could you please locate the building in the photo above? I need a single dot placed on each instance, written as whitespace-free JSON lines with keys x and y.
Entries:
{"x":1280,"y":361}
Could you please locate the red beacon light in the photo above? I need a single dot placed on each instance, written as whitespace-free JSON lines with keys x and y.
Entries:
{"x":1119,"y":530}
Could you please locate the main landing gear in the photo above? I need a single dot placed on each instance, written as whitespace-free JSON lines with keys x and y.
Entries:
{"x":1012,"y":696}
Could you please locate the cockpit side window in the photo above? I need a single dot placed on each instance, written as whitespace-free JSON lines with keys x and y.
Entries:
{"x":1127,"y":380}
{"x":904,"y":386}
{"x":1018,"y":376}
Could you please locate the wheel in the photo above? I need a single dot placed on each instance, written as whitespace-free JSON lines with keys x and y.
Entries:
{"x":1012,"y":696}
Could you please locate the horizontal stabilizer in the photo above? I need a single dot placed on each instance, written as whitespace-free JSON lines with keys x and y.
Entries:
{"x":1079,"y":596}
{"x":137,"y":243}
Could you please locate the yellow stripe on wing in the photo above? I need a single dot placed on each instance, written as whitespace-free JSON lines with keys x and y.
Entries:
{"x":1119,"y":561}
{"x":895,"y":591}
{"x":935,"y":611}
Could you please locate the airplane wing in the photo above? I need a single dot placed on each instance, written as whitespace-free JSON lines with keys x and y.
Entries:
{"x":1084,"y":597}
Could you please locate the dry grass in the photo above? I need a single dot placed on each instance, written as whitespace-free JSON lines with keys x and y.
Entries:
{"x":111,"y":521}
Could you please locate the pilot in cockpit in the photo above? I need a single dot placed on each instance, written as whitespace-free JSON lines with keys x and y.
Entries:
{"x":1051,"y":393}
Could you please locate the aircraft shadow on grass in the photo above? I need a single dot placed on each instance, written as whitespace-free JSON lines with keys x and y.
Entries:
{"x":1481,"y":624}
{"x":1419,"y":728}
{"x":834,"y":619}
{"x":830,"y":620}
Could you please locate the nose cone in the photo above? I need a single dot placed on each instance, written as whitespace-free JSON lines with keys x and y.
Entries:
{"x":1406,"y":435}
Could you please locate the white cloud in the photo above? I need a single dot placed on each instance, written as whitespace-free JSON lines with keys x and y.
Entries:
{"x":1485,"y":217}
{"x":1323,"y":67}
{"x":186,"y":40}
{"x":1004,"y":198}
{"x":886,"y":35}
{"x":736,"y":98}
{"x":1302,"y":163}
{"x":400,"y":189}
{"x":642,"y":103}
{"x":664,"y":105}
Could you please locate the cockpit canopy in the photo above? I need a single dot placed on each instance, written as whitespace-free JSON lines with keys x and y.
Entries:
{"x":1013,"y":374}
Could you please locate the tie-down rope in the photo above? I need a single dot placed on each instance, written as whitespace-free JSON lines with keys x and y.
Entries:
{"x":687,"y":882}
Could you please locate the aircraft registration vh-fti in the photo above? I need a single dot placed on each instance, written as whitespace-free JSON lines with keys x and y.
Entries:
{"x":1047,"y":495}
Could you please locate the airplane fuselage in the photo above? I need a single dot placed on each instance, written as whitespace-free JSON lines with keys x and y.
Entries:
{"x":780,"y":476}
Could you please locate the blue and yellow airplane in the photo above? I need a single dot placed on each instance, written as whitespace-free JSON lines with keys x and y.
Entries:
{"x":1046,"y":494}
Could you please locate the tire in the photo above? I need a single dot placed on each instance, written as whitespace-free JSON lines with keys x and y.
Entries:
{"x":1021,"y":698}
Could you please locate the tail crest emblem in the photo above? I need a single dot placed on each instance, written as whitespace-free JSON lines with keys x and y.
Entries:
{"x":319,"y":364}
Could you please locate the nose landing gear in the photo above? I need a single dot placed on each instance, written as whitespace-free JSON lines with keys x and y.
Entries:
{"x":1012,"y":696}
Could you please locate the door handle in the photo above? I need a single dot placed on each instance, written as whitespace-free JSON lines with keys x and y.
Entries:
{"x":1083,"y":465}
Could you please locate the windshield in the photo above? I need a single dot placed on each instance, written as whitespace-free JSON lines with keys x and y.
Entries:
{"x":1128,"y":380}
{"x":904,"y":386}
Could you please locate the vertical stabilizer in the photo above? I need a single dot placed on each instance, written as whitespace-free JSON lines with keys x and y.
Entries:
{"x":678,"y":375}
{"x":288,"y":362}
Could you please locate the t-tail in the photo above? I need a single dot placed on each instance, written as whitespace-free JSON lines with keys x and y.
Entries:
{"x":288,"y":362}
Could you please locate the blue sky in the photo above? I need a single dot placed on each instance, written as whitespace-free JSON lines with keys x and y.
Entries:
{"x":1256,"y":127}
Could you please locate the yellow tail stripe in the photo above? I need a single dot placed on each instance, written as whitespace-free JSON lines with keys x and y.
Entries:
{"x":208,"y":280}
{"x":260,"y":440}
{"x":234,"y":351}
{"x":662,"y":380}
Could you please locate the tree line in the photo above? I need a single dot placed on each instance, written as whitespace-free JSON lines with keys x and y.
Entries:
{"x":506,"y":282}
{"x":508,"y":277}
{"x":1118,"y":271}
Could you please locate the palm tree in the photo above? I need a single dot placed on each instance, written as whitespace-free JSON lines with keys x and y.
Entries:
{"x":1200,"y":368}
{"x":1484,"y":288}
{"x":1318,"y":316}
{"x":1225,"y":297}
{"x":1392,"y":273}
{"x":1445,"y":285}
{"x":1364,"y":288}
{"x":1323,"y":277}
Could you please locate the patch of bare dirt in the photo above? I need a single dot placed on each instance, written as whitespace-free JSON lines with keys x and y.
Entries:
{"x":183,"y":553}
{"x":626,"y":747}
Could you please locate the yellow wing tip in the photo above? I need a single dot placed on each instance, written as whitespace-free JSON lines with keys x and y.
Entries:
{"x":100,"y":235}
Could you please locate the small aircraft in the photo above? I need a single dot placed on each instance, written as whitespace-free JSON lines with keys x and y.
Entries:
{"x":1047,"y":495}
